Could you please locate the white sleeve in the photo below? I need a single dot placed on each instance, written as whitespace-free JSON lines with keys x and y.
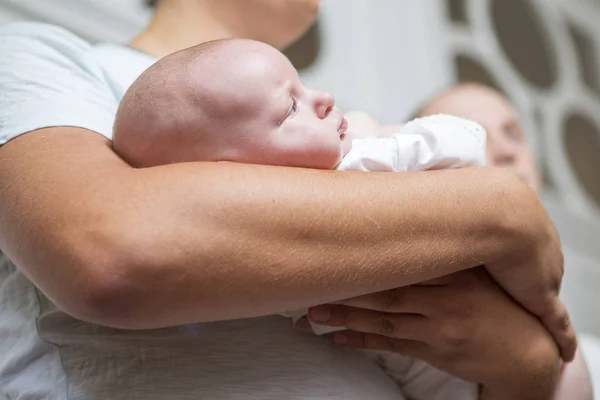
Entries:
{"x":420,"y":381}
{"x":48,"y":77}
{"x":434,"y":142}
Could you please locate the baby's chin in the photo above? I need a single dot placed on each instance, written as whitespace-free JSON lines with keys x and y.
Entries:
{"x":336,"y":156}
{"x":345,"y":147}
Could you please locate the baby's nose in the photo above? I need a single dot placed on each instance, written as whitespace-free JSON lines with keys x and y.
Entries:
{"x":324,"y":102}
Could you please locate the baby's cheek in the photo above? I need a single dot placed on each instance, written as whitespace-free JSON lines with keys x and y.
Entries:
{"x":333,"y":153}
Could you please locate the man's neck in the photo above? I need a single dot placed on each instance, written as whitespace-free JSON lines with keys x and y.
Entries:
{"x":176,"y":26}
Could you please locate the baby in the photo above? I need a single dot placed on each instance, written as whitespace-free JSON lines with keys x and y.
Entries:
{"x":260,"y":113}
{"x":242,"y":101}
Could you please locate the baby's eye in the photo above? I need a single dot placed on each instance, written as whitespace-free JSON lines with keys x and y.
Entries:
{"x":293,"y":107}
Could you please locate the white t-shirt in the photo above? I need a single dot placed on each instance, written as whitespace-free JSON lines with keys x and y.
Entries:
{"x":49,"y":77}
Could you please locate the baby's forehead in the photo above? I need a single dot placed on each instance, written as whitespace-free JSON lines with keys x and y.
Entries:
{"x":255,"y":61}
{"x":251,"y":70}
{"x":230,"y":77}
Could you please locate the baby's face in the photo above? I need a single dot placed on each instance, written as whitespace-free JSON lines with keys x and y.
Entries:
{"x":283,"y":122}
{"x":310,"y":129}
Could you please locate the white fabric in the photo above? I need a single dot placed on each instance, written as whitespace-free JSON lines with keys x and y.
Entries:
{"x":433,"y":142}
{"x":49,"y":77}
{"x":421,"y":381}
{"x":590,"y":348}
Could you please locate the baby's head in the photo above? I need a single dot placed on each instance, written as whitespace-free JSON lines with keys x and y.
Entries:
{"x":228,"y":100}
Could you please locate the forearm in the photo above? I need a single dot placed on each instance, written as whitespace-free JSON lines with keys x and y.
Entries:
{"x":199,"y":242}
{"x":274,"y":239}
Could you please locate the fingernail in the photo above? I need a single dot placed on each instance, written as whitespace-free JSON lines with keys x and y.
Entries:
{"x":340,"y":338}
{"x":320,"y":314}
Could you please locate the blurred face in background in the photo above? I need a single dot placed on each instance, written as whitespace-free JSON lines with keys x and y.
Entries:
{"x":276,"y":22}
{"x":507,"y":145}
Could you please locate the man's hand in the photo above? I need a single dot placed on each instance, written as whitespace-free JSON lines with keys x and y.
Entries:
{"x":532,"y":274}
{"x":463,"y":324}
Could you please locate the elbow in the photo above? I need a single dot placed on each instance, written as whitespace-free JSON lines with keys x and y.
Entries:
{"x":109,"y":300}
{"x":101,"y":301}
{"x":104,"y":289}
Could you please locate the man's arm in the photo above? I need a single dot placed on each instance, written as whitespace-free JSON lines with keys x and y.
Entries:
{"x":146,"y":248}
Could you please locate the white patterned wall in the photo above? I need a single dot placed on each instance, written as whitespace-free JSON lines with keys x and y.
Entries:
{"x":554,"y":80}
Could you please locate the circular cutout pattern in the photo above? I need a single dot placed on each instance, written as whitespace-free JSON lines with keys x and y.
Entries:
{"x":457,"y":11}
{"x":520,"y":34}
{"x":470,"y":70}
{"x":306,"y":50}
{"x":586,"y":53}
{"x":582,"y":143}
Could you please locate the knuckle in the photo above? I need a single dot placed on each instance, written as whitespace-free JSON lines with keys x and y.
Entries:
{"x":389,"y":299}
{"x":385,"y":326}
{"x":455,"y":338}
{"x":565,"y":322}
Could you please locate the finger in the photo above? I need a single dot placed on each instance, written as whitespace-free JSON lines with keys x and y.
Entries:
{"x":399,"y":326}
{"x":407,"y":299}
{"x":560,"y":327}
{"x":359,"y":340}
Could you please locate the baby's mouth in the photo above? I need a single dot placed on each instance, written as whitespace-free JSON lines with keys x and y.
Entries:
{"x":343,"y":127}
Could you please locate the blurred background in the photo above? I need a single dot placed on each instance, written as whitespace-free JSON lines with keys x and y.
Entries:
{"x":387,"y":57}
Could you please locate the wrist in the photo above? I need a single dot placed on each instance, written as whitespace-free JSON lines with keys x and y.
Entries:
{"x":518,"y":222}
